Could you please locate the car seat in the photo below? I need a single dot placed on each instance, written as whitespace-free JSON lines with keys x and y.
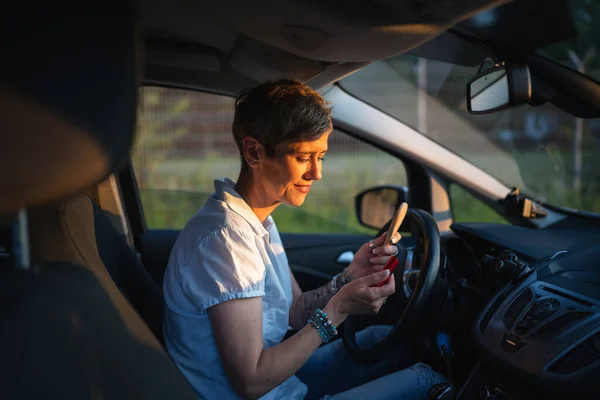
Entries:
{"x":68,"y":95}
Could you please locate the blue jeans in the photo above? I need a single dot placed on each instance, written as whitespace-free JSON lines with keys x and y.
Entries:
{"x":331,"y":373}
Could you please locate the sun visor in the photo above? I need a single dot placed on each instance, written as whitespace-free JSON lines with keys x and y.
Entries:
{"x":68,"y":95}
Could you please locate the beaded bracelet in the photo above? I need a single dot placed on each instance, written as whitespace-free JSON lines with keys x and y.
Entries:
{"x":331,"y":328}
{"x":321,"y":330}
{"x":321,"y":322}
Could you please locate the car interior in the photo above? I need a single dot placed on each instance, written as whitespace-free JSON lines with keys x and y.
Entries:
{"x":506,"y":307}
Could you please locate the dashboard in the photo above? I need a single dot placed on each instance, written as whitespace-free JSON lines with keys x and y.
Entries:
{"x":538,"y":336}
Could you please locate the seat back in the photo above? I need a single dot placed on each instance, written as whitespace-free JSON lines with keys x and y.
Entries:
{"x":78,"y":231}
{"x":128,"y":272}
{"x":68,"y":95}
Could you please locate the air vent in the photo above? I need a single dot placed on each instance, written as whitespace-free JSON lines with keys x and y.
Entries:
{"x":580,"y":357}
{"x":517,"y":307}
{"x":560,"y":324}
{"x":567,"y":296}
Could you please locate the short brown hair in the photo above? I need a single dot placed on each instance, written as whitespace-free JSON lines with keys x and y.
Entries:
{"x":285,"y":110}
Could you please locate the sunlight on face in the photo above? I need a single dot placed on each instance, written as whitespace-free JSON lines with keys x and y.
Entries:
{"x":291,"y":173}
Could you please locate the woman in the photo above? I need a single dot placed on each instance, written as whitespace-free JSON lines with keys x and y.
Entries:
{"x":230,"y":294}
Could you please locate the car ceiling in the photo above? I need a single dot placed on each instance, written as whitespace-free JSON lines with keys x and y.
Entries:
{"x":227,"y":45}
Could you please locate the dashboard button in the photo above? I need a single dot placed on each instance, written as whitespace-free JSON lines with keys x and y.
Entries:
{"x":545,"y":306}
{"x":511,"y":343}
{"x":517,"y":307}
{"x":538,"y":312}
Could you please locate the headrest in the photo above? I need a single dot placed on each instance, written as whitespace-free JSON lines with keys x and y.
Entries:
{"x":68,"y":95}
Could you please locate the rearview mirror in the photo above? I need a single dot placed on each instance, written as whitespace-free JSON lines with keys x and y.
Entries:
{"x":377,"y":205}
{"x":498,"y":88}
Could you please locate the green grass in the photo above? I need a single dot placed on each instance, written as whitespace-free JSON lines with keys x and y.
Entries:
{"x":172,"y":191}
{"x":167,"y":209}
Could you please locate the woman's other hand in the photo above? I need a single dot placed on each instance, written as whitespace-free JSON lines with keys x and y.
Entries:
{"x":361,"y":296}
{"x":372,"y":258}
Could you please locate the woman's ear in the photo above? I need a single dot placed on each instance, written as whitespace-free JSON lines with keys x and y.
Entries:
{"x":252,"y":151}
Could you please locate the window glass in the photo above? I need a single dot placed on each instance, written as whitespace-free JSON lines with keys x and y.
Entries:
{"x":468,"y":208}
{"x":547,"y":153}
{"x":184,"y":142}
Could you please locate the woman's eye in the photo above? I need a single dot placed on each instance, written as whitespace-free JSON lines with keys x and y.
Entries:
{"x":321,"y":158}
{"x":303,"y":160}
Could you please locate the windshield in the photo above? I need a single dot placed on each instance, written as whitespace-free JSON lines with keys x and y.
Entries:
{"x":544,"y":151}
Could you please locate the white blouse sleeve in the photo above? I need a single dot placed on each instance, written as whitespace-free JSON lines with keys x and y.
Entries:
{"x":225,"y":265}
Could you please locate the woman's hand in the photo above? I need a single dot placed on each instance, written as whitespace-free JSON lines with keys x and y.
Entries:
{"x":369,"y":259}
{"x":361,"y":296}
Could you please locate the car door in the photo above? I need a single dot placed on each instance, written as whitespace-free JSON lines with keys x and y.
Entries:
{"x":184,"y":142}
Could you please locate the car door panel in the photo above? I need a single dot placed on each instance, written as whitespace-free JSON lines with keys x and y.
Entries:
{"x":313,"y":258}
{"x":156,"y":246}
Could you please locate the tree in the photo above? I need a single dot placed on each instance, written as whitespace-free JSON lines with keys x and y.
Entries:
{"x":580,"y":53}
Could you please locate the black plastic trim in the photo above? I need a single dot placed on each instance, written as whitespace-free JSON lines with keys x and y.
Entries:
{"x":132,"y":203}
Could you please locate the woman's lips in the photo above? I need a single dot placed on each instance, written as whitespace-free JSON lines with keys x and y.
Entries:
{"x":303,"y":188}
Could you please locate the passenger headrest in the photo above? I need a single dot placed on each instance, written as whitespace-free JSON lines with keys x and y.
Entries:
{"x":68,"y":95}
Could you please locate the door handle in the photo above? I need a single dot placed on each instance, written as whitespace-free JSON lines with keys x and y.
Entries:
{"x":346,"y":257}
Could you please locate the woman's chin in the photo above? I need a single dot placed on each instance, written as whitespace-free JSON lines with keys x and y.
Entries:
{"x":296,"y":201}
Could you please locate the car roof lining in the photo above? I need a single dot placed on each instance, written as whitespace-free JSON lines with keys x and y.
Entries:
{"x":205,"y":45}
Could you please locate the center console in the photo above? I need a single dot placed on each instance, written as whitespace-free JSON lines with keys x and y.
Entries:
{"x":540,"y":335}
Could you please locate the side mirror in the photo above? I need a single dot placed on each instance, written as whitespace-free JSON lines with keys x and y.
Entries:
{"x":498,"y":88}
{"x":377,"y":205}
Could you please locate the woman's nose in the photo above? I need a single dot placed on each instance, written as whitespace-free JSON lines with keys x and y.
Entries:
{"x":314,"y":173}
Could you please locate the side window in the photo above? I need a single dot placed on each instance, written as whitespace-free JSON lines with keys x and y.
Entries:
{"x":184,"y":142}
{"x":468,"y":208}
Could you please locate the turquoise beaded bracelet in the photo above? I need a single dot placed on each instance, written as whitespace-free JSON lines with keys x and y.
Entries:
{"x":331,"y":328}
{"x":321,"y":330}
{"x":321,"y":322}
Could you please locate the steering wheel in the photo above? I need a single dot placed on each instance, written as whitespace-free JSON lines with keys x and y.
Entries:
{"x":416,"y":279}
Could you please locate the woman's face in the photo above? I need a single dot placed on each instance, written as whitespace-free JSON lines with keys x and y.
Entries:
{"x":289,"y":175}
